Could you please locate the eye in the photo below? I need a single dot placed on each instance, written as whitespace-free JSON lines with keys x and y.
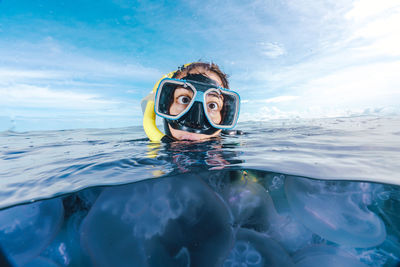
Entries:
{"x":212,"y":106}
{"x":184,"y":100}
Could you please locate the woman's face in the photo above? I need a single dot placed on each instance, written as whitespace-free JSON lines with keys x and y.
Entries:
{"x":182,"y":97}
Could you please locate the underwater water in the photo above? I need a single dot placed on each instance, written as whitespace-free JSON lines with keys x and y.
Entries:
{"x":286,"y":193}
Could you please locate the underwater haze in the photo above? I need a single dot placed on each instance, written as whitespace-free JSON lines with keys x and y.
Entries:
{"x":286,"y":193}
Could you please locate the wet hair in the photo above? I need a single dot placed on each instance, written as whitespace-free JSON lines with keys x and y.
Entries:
{"x":207,"y":67}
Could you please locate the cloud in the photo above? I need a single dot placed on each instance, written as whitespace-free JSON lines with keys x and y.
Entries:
{"x":29,"y":96}
{"x":267,"y":113}
{"x":279,"y":99}
{"x":365,"y":9}
{"x":51,"y":78}
{"x":50,"y":58}
{"x":272,"y":50}
{"x":353,"y":68}
{"x":10,"y":74}
{"x":377,"y":25}
{"x":348,"y":91}
{"x":369,"y":85}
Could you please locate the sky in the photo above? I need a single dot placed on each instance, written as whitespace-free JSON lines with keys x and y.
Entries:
{"x":87,"y":64}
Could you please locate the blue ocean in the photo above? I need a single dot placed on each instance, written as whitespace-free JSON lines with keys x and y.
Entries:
{"x":317,"y":192}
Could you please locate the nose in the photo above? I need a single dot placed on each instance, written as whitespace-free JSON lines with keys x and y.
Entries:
{"x":196,"y":117}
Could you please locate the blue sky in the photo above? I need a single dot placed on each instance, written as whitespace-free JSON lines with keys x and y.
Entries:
{"x":79,"y":64}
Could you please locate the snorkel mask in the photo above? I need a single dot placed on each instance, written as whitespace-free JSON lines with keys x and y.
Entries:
{"x":194,"y":103}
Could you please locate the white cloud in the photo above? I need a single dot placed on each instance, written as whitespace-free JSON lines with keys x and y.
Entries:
{"x":357,"y":90}
{"x":11,"y":74}
{"x":52,"y":57}
{"x":364,"y":84}
{"x":267,"y":113}
{"x":354,"y":71}
{"x":272,"y":50}
{"x":377,"y":23}
{"x":48,"y":78}
{"x":365,"y":9}
{"x":279,"y":99}
{"x":28,"y":96}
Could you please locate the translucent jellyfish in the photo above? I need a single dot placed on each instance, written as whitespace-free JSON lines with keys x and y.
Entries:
{"x":89,"y":196}
{"x":253,"y":208}
{"x":325,"y":256}
{"x":386,"y":254}
{"x":26,"y":230}
{"x":336,"y":210}
{"x":253,"y":249}
{"x":41,"y":262}
{"x":391,"y":250}
{"x":178,"y":219}
{"x":277,"y":182}
{"x":290,"y":233}
{"x":65,"y":248}
{"x":244,"y":254}
{"x":276,"y":189}
{"x":250,"y":204}
{"x":286,"y":229}
{"x":388,"y":205}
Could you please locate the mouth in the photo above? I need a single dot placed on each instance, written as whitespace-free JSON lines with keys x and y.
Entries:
{"x":190,"y":137}
{"x":183,"y":135}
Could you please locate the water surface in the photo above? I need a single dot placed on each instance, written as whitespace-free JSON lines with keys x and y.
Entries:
{"x":310,"y":191}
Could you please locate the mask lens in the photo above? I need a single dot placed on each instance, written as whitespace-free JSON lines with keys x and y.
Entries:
{"x":214,"y":102}
{"x":181,"y":99}
{"x":173,"y":98}
{"x":222,"y":107}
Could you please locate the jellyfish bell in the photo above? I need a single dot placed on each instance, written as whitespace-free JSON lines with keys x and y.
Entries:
{"x":26,"y":230}
{"x":327,"y":256}
{"x":254,"y":249}
{"x":331,"y":210}
{"x":178,"y":218}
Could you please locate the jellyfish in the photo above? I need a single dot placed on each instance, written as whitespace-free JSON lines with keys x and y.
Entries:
{"x":178,"y":218}
{"x":336,"y":210}
{"x":290,"y":233}
{"x":41,"y":262}
{"x":253,"y":208}
{"x":250,"y":204}
{"x":65,"y":248}
{"x":388,"y":205}
{"x":253,"y":249}
{"x":326,"y":256}
{"x":27,"y":229}
{"x":386,"y":254}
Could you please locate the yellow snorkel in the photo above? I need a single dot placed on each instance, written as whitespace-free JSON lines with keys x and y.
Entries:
{"x":149,"y":116}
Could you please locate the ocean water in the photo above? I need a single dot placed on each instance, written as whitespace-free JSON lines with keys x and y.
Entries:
{"x":285,"y":193}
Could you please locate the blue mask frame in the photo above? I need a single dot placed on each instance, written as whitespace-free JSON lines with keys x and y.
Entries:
{"x":200,"y":89}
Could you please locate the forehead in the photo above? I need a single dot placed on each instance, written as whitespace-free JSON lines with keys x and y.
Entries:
{"x":210,"y":74}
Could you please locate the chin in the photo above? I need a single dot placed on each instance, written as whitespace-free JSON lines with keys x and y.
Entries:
{"x":183,"y":135}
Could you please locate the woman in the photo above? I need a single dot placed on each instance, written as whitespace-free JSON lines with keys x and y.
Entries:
{"x":194,"y":102}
